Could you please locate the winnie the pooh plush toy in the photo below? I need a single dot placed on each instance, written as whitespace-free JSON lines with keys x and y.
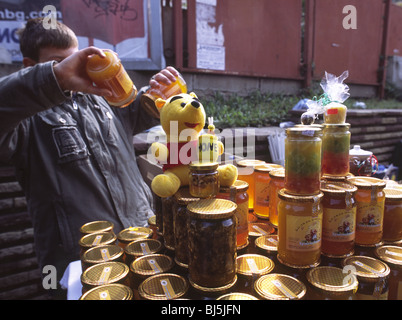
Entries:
{"x":183,"y":118}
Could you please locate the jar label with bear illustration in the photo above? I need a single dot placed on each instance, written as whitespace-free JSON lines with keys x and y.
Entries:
{"x":369,"y":217}
{"x":339,"y":224}
{"x":303,"y":233}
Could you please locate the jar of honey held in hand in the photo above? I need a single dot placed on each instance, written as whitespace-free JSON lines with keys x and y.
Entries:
{"x":109,"y":73}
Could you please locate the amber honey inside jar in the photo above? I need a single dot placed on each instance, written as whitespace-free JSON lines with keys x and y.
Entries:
{"x":276,"y":183}
{"x":204,"y":179}
{"x":276,"y":286}
{"x":96,"y":227}
{"x":339,"y":216}
{"x":370,"y":198}
{"x":212,"y":243}
{"x":238,"y":194}
{"x":246,"y":173}
{"x":299,"y":229}
{"x":303,"y":160}
{"x":109,"y":73}
{"x":261,"y":195}
{"x":392,"y":228}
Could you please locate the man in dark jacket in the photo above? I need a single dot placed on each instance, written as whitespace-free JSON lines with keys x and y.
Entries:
{"x":73,"y":153}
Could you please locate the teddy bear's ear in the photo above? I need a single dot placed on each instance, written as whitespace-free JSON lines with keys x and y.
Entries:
{"x":193,"y":95}
{"x":159,"y":103}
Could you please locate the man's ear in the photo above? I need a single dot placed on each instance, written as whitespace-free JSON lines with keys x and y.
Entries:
{"x":28,"y":62}
{"x":159,"y":103}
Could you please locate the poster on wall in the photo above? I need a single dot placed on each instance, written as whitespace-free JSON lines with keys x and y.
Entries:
{"x":118,"y":25}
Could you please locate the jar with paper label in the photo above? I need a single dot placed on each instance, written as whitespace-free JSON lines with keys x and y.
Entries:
{"x":131,"y":234}
{"x":392,"y":256}
{"x":113,"y":291}
{"x":180,"y":222}
{"x":246,"y":173}
{"x":335,"y":149}
{"x":330,"y":283}
{"x":370,"y":198}
{"x":96,"y":239}
{"x":104,"y":273}
{"x":204,"y":179}
{"x":101,"y":254}
{"x":109,"y":73}
{"x":212,"y":244}
{"x":276,"y":183}
{"x":96,"y":227}
{"x":274,"y":286}
{"x":165,"y":286}
{"x":238,"y":194}
{"x":392,"y":228}
{"x":141,"y":247}
{"x":299,"y":230}
{"x":261,"y":195}
{"x":372,"y":275}
{"x":303,"y":160}
{"x":339,"y":216}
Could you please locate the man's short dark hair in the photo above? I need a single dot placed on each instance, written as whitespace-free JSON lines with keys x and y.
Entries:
{"x":34,"y":37}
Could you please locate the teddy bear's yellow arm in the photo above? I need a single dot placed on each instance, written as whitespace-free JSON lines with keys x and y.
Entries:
{"x":159,"y":151}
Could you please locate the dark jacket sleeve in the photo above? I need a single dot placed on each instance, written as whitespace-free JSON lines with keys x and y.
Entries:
{"x":22,"y":95}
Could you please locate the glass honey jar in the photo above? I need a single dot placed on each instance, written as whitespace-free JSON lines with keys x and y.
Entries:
{"x":101,"y":254}
{"x":109,"y":73}
{"x":96,"y":227}
{"x":165,"y":286}
{"x":276,"y":183}
{"x":104,"y":273}
{"x":339,"y":219}
{"x":238,"y":194}
{"x":180,"y":225}
{"x":392,"y":227}
{"x":130,"y":234}
{"x":203,"y":179}
{"x":372,"y":275}
{"x":113,"y":291}
{"x":335,"y":149}
{"x":335,"y":113}
{"x":303,"y":160}
{"x":299,"y":230}
{"x":370,"y":198}
{"x":212,"y":244}
{"x":141,"y":247}
{"x":167,"y":226}
{"x":330,"y":283}
{"x":274,"y":286}
{"x":392,"y":256}
{"x":261,"y":194}
{"x":96,"y":239}
{"x":246,"y":173}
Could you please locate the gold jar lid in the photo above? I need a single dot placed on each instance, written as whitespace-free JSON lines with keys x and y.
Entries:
{"x":212,"y":209}
{"x":165,"y":286}
{"x":327,"y":177}
{"x":367,"y":268}
{"x":362,"y":182}
{"x":337,"y":188}
{"x":104,"y":273}
{"x":390,"y":254}
{"x":237,"y":186}
{"x":267,"y":167}
{"x":316,"y":198}
{"x":183,"y":196}
{"x":276,"y":286}
{"x":277,"y":173}
{"x":96,"y":227}
{"x":250,"y":265}
{"x":114,"y":291}
{"x":304,"y":131}
{"x":249,"y":162}
{"x":336,"y":126}
{"x":332,"y":280}
{"x":258,"y":229}
{"x":267,"y":242}
{"x":142,"y":247}
{"x":214,"y":290}
{"x":97,"y":239}
{"x":152,"y":264}
{"x":102,"y":254}
{"x":392,"y":194}
{"x":152,"y":221}
{"x":236,"y":296}
{"x":203,"y":166}
{"x":134,"y":233}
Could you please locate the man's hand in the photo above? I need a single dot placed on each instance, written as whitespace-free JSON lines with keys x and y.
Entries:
{"x":71,"y":74}
{"x":165,"y":76}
